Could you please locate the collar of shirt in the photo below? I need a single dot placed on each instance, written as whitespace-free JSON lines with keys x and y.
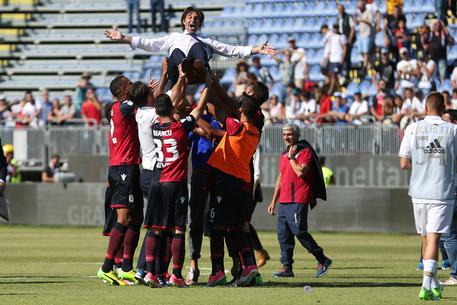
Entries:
{"x":434,"y":119}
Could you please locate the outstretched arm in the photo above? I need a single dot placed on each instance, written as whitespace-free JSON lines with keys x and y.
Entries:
{"x":179,"y":89}
{"x":146,"y":44}
{"x":197,"y":111}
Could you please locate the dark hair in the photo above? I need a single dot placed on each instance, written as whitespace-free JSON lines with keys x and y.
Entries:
{"x":189,"y":10}
{"x":116,"y":86}
{"x":249,"y":107}
{"x":452,"y":114}
{"x":241,"y":64}
{"x":435,"y":102}
{"x":54,"y":156}
{"x":261,"y":92}
{"x":139,"y":94}
{"x":322,"y":160}
{"x":163,"y":105}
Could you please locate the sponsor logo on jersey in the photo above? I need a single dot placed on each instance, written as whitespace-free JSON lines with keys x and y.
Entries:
{"x":123,"y":176}
{"x":434,"y":148}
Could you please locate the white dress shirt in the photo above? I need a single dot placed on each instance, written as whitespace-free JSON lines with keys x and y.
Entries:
{"x":145,"y":118}
{"x":184,"y":41}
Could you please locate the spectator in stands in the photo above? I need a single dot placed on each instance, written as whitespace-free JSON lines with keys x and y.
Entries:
{"x":402,"y":36}
{"x":334,"y":50}
{"x":133,"y":8}
{"x":440,"y":9}
{"x":390,"y":27}
{"x":158,"y":6}
{"x":27,"y":112}
{"x":241,"y":78}
{"x":298,"y":59}
{"x":424,"y":34}
{"x":454,"y":77}
{"x":388,"y":110}
{"x":6,"y":115}
{"x":407,"y":71}
{"x":398,"y":111}
{"x":308,"y":111}
{"x":454,"y":98}
{"x":438,"y":41}
{"x":364,"y":19}
{"x":53,"y":115}
{"x":293,"y":107}
{"x":286,"y":68}
{"x":262,"y":73}
{"x":385,"y":70}
{"x":377,"y":16}
{"x":44,"y":105}
{"x":377,"y":103}
{"x":447,"y":100}
{"x":339,"y":112}
{"x":346,"y":26}
{"x":265,"y":108}
{"x":427,"y":69}
{"x":91,"y":109}
{"x":67,"y":112}
{"x":358,"y":111}
{"x":412,"y":106}
{"x":325,"y":104}
{"x":48,"y":175}
{"x":277,"y":110}
{"x":81,"y":88}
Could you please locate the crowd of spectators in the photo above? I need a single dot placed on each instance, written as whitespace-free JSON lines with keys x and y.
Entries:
{"x":410,"y":63}
{"x":80,"y":108}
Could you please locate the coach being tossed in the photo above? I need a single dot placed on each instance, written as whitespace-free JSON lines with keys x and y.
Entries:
{"x":298,"y":185}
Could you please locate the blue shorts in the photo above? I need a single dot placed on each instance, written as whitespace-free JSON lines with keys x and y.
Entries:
{"x":334,"y":67}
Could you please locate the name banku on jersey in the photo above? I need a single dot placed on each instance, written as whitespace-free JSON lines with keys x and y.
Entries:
{"x":172,"y":149}
{"x":124,"y":145}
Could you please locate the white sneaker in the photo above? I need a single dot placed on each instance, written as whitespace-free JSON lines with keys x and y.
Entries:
{"x":192,"y":276}
{"x":451,"y":281}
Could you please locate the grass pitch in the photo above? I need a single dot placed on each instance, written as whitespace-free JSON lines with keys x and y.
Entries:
{"x":57,"y":265}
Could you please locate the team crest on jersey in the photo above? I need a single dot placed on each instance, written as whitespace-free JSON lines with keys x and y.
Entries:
{"x":219,"y":199}
{"x":131,"y":199}
{"x":123,"y":176}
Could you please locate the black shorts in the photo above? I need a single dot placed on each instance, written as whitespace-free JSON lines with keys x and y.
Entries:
{"x":167,"y":206}
{"x":124,"y":182}
{"x":230,"y":201}
{"x":110,"y":213}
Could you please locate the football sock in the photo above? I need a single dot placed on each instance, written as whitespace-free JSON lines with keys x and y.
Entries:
{"x":178,"y":251}
{"x":167,"y":251}
{"x":118,"y":257}
{"x":151,"y":248}
{"x":130,"y":243}
{"x":247,"y":244}
{"x":216,"y":242}
{"x":430,"y":267}
{"x":161,"y":243}
{"x":116,"y":239}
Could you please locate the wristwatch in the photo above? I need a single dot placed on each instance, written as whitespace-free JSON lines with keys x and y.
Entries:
{"x":291,"y":158}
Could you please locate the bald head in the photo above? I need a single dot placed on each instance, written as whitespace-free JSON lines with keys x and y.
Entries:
{"x":435,"y":103}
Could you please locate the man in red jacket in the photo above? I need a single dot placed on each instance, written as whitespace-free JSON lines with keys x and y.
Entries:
{"x":298,"y":185}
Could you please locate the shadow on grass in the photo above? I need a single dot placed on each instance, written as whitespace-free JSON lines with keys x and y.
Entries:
{"x":33,"y":282}
{"x":338,"y":285}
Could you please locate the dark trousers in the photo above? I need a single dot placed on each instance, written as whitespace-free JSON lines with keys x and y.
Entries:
{"x":293,"y":222}
{"x":145,"y":184}
{"x":197,"y":51}
{"x":133,"y":7}
{"x":157,"y":6}
{"x":198,"y":204}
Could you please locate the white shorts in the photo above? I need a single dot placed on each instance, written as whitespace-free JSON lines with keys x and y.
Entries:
{"x":432,"y":217}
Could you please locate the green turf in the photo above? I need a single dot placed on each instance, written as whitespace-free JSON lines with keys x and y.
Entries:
{"x":55,"y":265}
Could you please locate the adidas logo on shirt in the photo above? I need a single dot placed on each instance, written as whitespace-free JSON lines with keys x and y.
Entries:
{"x":434,"y":148}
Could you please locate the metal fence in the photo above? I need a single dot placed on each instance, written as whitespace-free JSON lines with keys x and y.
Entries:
{"x":40,"y":144}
